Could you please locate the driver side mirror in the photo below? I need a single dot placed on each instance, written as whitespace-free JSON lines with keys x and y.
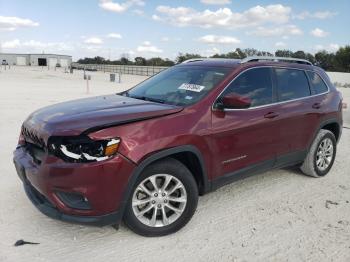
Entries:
{"x":234,"y":101}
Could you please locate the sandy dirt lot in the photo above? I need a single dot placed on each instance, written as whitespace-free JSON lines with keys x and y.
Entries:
{"x":280,"y":215}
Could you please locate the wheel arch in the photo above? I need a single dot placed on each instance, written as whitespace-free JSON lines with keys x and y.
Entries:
{"x":189,"y":155}
{"x":332,"y":125}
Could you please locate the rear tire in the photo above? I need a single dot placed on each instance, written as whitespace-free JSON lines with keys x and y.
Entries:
{"x":163,"y":200}
{"x":321,"y":155}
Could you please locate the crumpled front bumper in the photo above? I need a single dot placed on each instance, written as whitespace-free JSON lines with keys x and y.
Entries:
{"x":101,"y":183}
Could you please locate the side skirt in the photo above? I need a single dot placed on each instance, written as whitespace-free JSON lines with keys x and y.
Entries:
{"x":289,"y":159}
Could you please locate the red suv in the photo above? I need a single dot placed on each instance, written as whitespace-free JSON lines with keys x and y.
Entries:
{"x":144,"y":155}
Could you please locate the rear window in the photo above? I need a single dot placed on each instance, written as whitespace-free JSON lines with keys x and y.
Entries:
{"x":317,"y":84}
{"x":291,"y":84}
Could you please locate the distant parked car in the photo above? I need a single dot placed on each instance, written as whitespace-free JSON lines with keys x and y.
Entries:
{"x":146,"y":154}
{"x":4,"y":62}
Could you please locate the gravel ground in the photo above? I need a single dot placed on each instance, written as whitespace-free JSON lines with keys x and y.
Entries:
{"x":280,"y":215}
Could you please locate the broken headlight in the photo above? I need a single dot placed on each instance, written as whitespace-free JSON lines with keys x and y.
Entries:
{"x":83,"y":149}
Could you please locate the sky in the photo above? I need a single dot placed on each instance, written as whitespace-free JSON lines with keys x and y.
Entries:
{"x":115,"y":28}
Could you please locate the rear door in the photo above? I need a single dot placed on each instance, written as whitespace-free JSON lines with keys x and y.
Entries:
{"x":298,"y":116}
{"x":243,"y":139}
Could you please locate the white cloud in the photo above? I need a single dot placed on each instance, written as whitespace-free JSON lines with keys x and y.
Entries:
{"x":148,"y":47}
{"x":115,"y":7}
{"x":50,"y":46}
{"x":219,"y":39}
{"x":91,"y":48}
{"x":31,"y":45}
{"x":11,"y":44}
{"x":280,"y":44}
{"x":284,"y":30}
{"x":317,"y":15}
{"x":93,"y":41}
{"x":317,"y":32}
{"x":334,"y":47}
{"x":330,"y":48}
{"x":165,"y":39}
{"x":216,"y":2}
{"x":211,"y":52}
{"x":138,"y":12}
{"x":114,"y":35}
{"x":223,"y":17}
{"x":11,"y":23}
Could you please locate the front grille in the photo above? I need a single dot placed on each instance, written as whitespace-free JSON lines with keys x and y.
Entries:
{"x":31,"y":137}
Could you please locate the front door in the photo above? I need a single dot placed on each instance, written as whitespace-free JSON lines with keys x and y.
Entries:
{"x":243,"y":139}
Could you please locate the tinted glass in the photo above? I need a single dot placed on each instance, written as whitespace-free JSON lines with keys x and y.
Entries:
{"x":256,"y":84}
{"x":291,"y":84}
{"x":179,"y":85}
{"x":317,"y":84}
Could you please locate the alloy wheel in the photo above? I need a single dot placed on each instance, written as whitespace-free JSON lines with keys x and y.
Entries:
{"x":324,"y":155}
{"x":159,"y":200}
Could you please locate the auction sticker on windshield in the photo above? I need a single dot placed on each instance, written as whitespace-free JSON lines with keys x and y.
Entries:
{"x":191,"y":87}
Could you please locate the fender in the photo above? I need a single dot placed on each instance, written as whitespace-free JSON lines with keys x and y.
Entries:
{"x":154,"y":157}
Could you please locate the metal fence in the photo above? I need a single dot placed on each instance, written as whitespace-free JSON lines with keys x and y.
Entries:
{"x":121,"y":69}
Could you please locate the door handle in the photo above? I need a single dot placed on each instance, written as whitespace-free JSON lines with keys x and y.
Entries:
{"x":316,"y":105}
{"x":271,"y":115}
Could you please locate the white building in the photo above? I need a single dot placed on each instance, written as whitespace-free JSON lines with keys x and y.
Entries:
{"x":50,"y":60}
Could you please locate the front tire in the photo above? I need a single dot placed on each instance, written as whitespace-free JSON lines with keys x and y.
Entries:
{"x":163,"y":200}
{"x":320,"y":158}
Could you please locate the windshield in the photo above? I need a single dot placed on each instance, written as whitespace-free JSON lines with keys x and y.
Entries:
{"x":179,"y":85}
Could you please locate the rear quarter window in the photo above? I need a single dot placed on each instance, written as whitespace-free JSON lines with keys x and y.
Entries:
{"x":291,"y":84}
{"x":318,"y":86}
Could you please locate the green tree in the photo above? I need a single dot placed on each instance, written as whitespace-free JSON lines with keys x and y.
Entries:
{"x":155,"y":61}
{"x":342,"y":59}
{"x":124,"y":60}
{"x":234,"y":55}
{"x":284,"y":53}
{"x":241,"y":54}
{"x":310,"y":58}
{"x":299,"y":54}
{"x":325,"y":60}
{"x":168,"y":62}
{"x":183,"y":57}
{"x":140,"y":60}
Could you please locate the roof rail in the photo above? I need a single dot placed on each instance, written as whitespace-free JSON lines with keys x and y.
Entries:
{"x":275,"y":59}
{"x":193,"y":60}
{"x":208,"y":58}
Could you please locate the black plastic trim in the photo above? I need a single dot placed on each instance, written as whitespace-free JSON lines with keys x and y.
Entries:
{"x":242,"y":173}
{"x":327,"y":122}
{"x":284,"y":160}
{"x":45,"y":207}
{"x":290,"y":159}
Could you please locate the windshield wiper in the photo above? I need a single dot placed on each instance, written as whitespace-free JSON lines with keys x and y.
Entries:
{"x":151,"y":99}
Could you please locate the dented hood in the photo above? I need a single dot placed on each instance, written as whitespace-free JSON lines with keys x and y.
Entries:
{"x":78,"y":116}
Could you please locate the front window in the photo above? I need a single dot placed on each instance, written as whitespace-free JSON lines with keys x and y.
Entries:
{"x":255,"y":84}
{"x":179,"y":85}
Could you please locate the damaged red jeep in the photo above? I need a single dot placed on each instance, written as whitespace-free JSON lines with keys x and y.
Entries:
{"x":146,"y":154}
